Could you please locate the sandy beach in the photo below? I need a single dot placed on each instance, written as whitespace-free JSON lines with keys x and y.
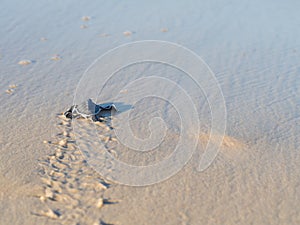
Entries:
{"x":128,"y":168}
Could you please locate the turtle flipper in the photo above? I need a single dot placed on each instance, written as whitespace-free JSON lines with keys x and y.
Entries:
{"x":89,"y":109}
{"x":70,"y":112}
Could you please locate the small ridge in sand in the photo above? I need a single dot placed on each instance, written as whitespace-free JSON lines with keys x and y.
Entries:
{"x":85,"y":18}
{"x":227,"y":142}
{"x":127,"y":33}
{"x":55,"y":58}
{"x":9,"y":91}
{"x":24,"y":62}
{"x":11,"y":88}
{"x":52,"y":214}
{"x":230,"y":147}
{"x":83,"y":26}
{"x":124,"y":91}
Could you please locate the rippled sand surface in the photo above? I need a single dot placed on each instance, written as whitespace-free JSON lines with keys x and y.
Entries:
{"x":252,"y":48}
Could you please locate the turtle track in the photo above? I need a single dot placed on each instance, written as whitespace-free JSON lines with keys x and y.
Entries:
{"x":73,"y":191}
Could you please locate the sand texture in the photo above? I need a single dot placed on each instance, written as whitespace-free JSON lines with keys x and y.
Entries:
{"x":49,"y":173}
{"x":72,"y":190}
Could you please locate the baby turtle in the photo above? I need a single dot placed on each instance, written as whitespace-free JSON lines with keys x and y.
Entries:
{"x":91,"y":110}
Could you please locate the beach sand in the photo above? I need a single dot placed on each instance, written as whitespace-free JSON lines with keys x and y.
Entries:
{"x":252,"y":48}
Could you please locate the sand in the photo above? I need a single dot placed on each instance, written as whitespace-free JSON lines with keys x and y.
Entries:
{"x":253,"y":50}
{"x":72,"y":190}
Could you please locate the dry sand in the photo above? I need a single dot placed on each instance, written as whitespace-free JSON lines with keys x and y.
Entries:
{"x":253,"y":49}
{"x":71,"y":190}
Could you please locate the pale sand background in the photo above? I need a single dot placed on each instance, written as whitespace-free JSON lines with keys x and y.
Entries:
{"x":253,"y":48}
